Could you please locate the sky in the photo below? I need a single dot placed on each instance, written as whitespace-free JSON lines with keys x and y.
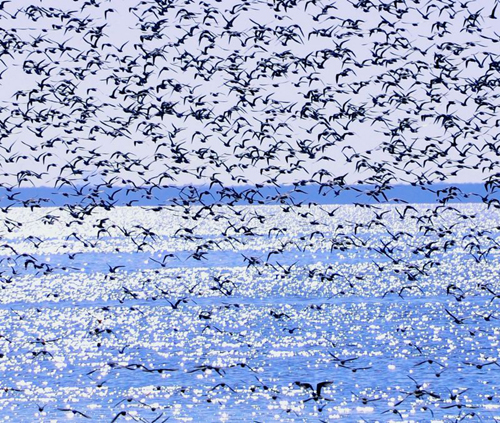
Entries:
{"x":98,"y":61}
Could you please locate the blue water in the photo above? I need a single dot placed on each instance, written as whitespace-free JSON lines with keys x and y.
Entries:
{"x":94,"y":341}
{"x":245,"y":195}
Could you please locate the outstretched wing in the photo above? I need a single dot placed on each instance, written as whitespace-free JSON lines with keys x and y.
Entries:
{"x":321,"y":385}
{"x":305,"y":385}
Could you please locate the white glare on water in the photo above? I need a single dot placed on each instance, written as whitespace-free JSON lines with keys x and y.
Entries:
{"x":151,"y":340}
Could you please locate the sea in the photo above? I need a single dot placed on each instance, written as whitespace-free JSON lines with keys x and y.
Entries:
{"x":237,"y":313}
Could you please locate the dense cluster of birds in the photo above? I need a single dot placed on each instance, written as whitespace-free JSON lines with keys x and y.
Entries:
{"x":115,"y":103}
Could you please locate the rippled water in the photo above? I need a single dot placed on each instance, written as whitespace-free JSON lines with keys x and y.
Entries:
{"x":214,"y":339}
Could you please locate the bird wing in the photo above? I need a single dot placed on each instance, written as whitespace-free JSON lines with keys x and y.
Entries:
{"x":305,"y":385}
{"x":321,"y":385}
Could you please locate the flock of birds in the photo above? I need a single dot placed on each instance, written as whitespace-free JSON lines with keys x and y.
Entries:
{"x":111,"y":103}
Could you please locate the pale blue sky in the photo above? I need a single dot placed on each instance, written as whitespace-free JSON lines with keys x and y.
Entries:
{"x":123,"y":26}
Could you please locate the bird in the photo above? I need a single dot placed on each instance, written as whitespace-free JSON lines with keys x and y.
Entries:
{"x":74,"y":412}
{"x":315,"y":392}
{"x":196,"y":151}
